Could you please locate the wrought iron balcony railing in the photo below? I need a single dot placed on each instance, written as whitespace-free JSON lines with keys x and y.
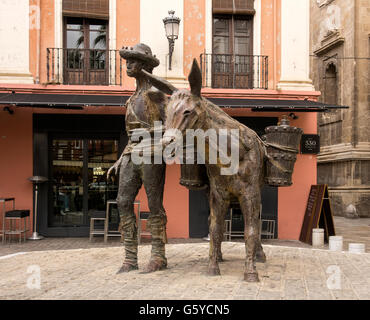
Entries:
{"x":234,"y":71}
{"x":84,"y":66}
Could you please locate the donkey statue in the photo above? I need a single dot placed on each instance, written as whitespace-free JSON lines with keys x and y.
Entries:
{"x":189,"y":110}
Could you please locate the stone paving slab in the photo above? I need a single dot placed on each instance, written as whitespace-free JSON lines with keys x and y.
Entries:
{"x":289,"y":273}
{"x":352,"y":230}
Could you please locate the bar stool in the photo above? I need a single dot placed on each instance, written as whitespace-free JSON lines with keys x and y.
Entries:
{"x":107,"y":232}
{"x":228,"y":226}
{"x":267,"y":228}
{"x":3,"y":201}
{"x":116,"y":233}
{"x":97,"y":216}
{"x":143,"y":216}
{"x":12,"y":217}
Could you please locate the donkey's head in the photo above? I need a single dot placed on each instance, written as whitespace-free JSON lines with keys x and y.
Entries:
{"x":184,"y":110}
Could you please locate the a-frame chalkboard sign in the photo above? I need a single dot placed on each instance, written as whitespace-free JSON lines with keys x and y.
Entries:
{"x":318,"y":214}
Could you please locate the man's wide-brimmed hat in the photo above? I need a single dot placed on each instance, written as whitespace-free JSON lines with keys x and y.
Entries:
{"x":140,"y":51}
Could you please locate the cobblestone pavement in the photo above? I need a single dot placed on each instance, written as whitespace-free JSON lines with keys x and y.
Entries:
{"x":289,"y":273}
{"x":75,"y":268}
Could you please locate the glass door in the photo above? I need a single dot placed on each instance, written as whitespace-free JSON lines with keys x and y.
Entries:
{"x":67,"y":183}
{"x":232,"y":54}
{"x":79,"y":180}
{"x":243,"y":64}
{"x":222,"y":75}
{"x":85,"y":52}
{"x":102,"y":154}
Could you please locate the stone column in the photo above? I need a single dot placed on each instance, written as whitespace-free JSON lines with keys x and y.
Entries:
{"x":295,"y":46}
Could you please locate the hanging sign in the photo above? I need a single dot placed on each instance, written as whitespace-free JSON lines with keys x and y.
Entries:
{"x":310,"y":144}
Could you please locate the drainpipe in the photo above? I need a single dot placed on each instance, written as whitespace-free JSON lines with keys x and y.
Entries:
{"x":38,"y":46}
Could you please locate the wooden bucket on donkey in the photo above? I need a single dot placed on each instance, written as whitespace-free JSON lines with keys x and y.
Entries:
{"x":193,"y":175}
{"x":282,"y":147}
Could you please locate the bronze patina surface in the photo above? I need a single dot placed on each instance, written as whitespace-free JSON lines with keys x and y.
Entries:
{"x":144,"y":107}
{"x":189,"y":110}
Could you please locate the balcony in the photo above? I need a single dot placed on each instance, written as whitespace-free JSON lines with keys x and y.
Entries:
{"x":234,"y":71}
{"x":84,"y":67}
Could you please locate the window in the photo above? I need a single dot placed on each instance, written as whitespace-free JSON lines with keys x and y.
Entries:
{"x":85,"y":51}
{"x":232,"y":54}
{"x":331,"y":85}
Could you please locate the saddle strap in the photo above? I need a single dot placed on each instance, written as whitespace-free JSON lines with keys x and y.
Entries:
{"x":279,"y":147}
{"x":277,"y":165}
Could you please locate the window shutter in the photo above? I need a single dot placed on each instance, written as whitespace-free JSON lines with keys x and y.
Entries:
{"x":223,"y":6}
{"x":233,"y":7}
{"x":98,"y":9}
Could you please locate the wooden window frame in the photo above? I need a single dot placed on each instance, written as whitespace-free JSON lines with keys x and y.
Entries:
{"x":86,"y":69}
{"x":232,"y":18}
{"x":230,"y":78}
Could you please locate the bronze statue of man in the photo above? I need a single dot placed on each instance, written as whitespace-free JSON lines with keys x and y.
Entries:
{"x":141,"y":113}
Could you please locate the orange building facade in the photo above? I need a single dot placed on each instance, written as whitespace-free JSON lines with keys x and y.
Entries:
{"x":63,"y":88}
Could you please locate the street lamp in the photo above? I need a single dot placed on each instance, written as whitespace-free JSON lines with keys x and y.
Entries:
{"x":171,"y":25}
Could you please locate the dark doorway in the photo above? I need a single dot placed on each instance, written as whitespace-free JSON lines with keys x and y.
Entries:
{"x":74,"y":152}
{"x":198,"y":202}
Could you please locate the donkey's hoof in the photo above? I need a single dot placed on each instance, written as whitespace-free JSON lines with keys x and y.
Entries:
{"x":214,"y":270}
{"x":127,"y":267}
{"x":155,"y":265}
{"x":251,"y":277}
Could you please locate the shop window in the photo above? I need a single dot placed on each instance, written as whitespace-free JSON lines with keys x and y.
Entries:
{"x":79,"y":175}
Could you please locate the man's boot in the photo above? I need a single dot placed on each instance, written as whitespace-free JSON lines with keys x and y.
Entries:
{"x":158,"y":260}
{"x":129,"y":234}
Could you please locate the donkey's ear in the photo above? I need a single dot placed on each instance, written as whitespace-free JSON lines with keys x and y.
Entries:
{"x":195,"y":79}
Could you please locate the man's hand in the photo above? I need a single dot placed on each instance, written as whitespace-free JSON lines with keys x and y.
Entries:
{"x":113,"y":170}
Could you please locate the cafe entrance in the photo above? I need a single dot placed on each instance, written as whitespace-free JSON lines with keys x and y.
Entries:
{"x":76,"y":165}
{"x":79,"y":184}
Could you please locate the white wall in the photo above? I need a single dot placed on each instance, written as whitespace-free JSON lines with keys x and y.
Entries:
{"x":152,"y":33}
{"x":14,"y":39}
{"x":295,"y":45}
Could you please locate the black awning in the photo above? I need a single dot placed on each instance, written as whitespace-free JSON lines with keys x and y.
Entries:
{"x":264,"y":105}
{"x":60,"y":101}
{"x":75,"y":101}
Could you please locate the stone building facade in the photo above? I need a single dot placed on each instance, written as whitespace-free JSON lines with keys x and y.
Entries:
{"x":340,"y":69}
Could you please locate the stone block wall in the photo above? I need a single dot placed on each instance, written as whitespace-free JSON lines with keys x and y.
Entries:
{"x":340,"y":41}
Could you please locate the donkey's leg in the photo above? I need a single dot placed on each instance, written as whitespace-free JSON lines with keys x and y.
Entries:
{"x":260,"y":255}
{"x":219,"y":253}
{"x":250,"y":208}
{"x":218,"y":208}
